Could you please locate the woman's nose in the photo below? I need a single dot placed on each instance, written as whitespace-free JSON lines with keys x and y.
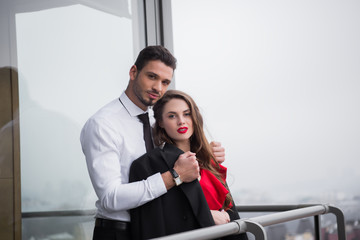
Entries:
{"x":181,"y":121}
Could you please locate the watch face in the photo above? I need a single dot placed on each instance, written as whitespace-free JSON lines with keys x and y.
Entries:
{"x":177,"y":181}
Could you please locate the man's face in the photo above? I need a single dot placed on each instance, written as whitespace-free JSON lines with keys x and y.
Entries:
{"x":150,"y":83}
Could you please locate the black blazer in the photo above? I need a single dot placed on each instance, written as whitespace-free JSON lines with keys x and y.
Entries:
{"x":182,"y":208}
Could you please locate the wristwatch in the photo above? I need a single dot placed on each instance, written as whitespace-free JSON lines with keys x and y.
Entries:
{"x":176,"y":177}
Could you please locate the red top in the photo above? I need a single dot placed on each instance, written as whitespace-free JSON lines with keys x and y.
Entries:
{"x":214,"y":190}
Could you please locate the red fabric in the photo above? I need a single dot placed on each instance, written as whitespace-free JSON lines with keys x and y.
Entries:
{"x":214,"y":190}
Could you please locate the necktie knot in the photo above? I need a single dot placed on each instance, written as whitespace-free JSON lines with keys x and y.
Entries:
{"x":144,"y":118}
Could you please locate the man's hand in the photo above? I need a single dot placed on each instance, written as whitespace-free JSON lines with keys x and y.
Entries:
{"x":220,"y":217}
{"x":218,"y":152}
{"x":187,"y":167}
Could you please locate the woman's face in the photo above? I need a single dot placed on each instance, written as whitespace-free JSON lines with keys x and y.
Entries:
{"x":177,"y":121}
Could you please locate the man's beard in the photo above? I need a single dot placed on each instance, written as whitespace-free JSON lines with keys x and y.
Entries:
{"x":137,"y":91}
{"x":148,"y":103}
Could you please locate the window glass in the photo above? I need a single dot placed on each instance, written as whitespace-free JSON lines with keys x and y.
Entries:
{"x":72,"y":59}
{"x":278,"y":84}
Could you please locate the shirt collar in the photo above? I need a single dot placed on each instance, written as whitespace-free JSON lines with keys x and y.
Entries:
{"x":132,"y":109}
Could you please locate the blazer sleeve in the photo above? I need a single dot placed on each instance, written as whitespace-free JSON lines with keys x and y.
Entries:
{"x":138,"y":170}
{"x":137,"y":173}
{"x":147,"y":220}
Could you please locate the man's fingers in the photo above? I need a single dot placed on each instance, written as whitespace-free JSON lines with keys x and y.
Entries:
{"x":220,"y":160}
{"x":187,"y":166}
{"x":219,"y":151}
{"x":215,"y":144}
{"x":188,"y":154}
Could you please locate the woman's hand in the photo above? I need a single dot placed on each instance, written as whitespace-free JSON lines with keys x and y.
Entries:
{"x":220,"y":217}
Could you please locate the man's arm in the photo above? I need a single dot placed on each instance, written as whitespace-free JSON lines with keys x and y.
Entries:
{"x":101,"y":148}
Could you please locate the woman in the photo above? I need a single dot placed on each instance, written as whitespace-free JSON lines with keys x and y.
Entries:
{"x":179,"y":129}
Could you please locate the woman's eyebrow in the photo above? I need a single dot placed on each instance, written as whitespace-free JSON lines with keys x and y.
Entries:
{"x":171,"y":112}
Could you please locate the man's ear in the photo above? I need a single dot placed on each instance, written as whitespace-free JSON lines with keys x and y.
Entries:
{"x":133,"y":72}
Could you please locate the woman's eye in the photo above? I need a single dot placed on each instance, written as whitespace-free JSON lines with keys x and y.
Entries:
{"x":171,"y":116}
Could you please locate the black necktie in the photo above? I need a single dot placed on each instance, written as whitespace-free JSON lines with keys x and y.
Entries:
{"x":144,"y":118}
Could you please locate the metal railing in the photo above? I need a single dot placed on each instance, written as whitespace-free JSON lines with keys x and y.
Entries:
{"x":70,"y":213}
{"x":256,"y":225}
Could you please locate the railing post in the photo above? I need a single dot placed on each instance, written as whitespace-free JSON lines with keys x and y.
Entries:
{"x":340,"y":220}
{"x":255,"y":228}
{"x":317,"y":224}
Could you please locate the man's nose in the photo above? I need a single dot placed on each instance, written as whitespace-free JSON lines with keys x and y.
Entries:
{"x":157,"y":86}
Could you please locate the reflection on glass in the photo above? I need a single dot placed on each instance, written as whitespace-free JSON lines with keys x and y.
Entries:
{"x":72,"y":59}
{"x":64,"y":228}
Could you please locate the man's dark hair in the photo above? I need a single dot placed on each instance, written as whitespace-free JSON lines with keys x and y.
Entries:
{"x":152,"y":53}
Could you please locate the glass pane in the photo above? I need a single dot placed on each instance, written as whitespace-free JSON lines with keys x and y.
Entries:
{"x":64,"y":228}
{"x":70,"y":62}
{"x":278,"y":83}
{"x":72,"y":59}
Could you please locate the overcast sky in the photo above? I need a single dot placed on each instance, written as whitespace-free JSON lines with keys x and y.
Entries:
{"x":278,"y":83}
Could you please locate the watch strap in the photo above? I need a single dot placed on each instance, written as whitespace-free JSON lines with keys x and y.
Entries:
{"x":174,"y":173}
{"x":176,"y":177}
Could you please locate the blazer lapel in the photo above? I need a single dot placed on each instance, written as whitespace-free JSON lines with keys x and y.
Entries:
{"x":170,"y":154}
{"x":192,"y":190}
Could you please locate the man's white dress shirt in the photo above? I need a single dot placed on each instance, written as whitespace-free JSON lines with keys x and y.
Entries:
{"x":111,"y":140}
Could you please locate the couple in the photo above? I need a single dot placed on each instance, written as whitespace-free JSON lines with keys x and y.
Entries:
{"x":204,"y":202}
{"x":113,"y":138}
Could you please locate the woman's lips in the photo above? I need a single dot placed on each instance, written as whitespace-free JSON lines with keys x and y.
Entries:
{"x":182,"y":130}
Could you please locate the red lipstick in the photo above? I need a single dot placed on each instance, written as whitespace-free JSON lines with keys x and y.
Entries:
{"x":182,"y":130}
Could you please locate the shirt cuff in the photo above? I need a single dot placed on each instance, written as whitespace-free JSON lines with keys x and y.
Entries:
{"x":157,"y":184}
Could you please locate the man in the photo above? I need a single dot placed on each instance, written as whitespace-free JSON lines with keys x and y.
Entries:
{"x":113,"y":138}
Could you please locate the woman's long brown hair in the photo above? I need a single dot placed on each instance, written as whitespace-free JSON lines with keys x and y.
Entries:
{"x":198,"y":141}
